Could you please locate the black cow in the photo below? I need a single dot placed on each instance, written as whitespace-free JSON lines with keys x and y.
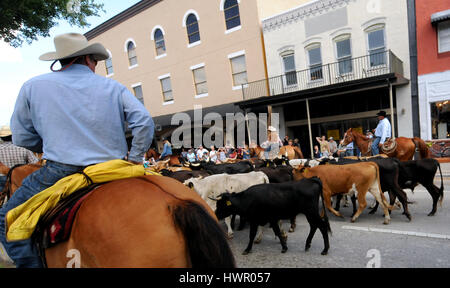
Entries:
{"x":184,"y":175}
{"x":389,"y":180}
{"x":278,"y":174}
{"x":269,"y":203}
{"x":421,"y":171}
{"x":228,"y":168}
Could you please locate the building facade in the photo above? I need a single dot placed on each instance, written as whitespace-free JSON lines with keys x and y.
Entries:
{"x":332,"y":65}
{"x":433,"y":54}
{"x":175,"y":55}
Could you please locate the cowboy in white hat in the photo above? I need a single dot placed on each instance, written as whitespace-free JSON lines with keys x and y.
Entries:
{"x":76,"y":118}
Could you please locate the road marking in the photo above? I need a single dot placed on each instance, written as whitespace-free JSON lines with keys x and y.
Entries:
{"x":399,"y":232}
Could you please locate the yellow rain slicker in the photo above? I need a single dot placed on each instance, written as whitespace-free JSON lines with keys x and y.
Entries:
{"x":22,"y":220}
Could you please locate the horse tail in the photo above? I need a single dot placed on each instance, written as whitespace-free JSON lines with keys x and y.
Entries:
{"x":206,"y":241}
{"x":422,"y":146}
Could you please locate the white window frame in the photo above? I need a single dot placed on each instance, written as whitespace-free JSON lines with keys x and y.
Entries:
{"x":235,"y":55}
{"x":234,"y":29}
{"x":126,"y":52}
{"x":340,"y":38}
{"x":439,"y":36}
{"x":106,"y":67}
{"x":137,"y":85}
{"x":160,"y":78}
{"x":287,"y":53}
{"x":152,"y":37}
{"x":373,"y":28}
{"x":195,"y":67}
{"x":307,"y":49}
{"x":189,"y":12}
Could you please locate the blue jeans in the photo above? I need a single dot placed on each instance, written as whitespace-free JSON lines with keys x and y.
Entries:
{"x":24,"y":253}
{"x":375,"y":150}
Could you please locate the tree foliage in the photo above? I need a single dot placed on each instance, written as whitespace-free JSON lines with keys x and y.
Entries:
{"x":26,"y":20}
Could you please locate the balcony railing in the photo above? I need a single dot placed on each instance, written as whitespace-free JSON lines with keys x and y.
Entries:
{"x":345,"y":70}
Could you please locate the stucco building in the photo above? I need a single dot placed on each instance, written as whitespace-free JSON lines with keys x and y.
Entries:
{"x":332,"y":65}
{"x":175,"y":55}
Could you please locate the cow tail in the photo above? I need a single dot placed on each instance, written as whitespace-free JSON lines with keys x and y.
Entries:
{"x":422,"y":147}
{"x":441,"y":190}
{"x":206,"y":242}
{"x":324,"y":212}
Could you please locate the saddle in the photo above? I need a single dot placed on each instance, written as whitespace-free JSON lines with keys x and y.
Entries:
{"x":55,"y":225}
{"x":389,"y":146}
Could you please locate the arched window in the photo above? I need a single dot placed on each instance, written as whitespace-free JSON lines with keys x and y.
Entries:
{"x":132,"y":58}
{"x":231,"y":11}
{"x":192,"y":28}
{"x":109,"y":64}
{"x":160,"y":45}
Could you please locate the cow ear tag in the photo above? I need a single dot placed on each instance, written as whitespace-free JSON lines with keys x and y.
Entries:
{"x":229,"y":203}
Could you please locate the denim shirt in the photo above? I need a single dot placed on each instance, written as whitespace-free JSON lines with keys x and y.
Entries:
{"x":78,"y":118}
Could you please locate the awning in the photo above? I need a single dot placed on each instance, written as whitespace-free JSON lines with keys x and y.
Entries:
{"x":440,"y":16}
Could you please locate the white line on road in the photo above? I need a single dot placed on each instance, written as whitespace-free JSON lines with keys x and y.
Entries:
{"x":390,"y":231}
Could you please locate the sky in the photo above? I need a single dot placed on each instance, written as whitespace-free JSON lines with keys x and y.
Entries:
{"x":17,"y":65}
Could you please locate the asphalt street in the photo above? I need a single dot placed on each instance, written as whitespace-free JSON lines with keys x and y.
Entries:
{"x":422,"y":243}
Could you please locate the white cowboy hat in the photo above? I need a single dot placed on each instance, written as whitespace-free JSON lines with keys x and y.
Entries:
{"x":5,"y":131}
{"x":70,"y":45}
{"x":272,"y":129}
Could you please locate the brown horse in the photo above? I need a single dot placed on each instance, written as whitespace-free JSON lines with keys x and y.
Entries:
{"x":4,"y":169}
{"x":292,"y":152}
{"x":147,"y":221}
{"x":404,"y":151}
{"x":152,"y":153}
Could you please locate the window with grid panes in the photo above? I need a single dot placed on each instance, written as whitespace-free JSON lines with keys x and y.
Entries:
{"x":232,"y":17}
{"x":192,"y":29}
{"x":166,"y":87}
{"x":200,"y":81}
{"x":160,"y":45}
{"x":239,"y":70}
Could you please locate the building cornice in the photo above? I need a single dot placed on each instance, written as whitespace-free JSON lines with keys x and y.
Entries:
{"x":302,"y":12}
{"x":119,"y":18}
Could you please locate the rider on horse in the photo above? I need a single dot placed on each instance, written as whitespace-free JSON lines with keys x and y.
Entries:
{"x":382,"y":132}
{"x":77,"y":119}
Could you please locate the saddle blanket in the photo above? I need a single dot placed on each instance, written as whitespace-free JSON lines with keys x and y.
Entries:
{"x":22,"y":220}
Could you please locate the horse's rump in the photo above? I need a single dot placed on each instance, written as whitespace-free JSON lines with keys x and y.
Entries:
{"x":133,"y":223}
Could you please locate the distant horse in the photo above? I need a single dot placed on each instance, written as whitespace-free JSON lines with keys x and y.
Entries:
{"x":147,"y":221}
{"x":4,"y":169}
{"x":291,"y":152}
{"x":404,"y":151}
{"x":257,"y":151}
{"x":152,"y":153}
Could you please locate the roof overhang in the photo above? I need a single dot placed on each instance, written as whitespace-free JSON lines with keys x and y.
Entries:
{"x":440,"y":16}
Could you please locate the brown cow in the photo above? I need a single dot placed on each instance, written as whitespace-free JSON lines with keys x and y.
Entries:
{"x":352,"y":178}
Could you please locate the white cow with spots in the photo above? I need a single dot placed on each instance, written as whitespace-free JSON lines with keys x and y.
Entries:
{"x":214,"y":185}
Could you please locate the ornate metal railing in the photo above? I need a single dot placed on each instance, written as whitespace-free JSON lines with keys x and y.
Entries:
{"x":345,"y":70}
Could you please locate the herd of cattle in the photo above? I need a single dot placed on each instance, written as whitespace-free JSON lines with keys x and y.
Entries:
{"x":265,"y":191}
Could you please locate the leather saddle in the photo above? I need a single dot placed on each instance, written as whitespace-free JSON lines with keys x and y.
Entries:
{"x":389,"y":146}
{"x":55,"y":226}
